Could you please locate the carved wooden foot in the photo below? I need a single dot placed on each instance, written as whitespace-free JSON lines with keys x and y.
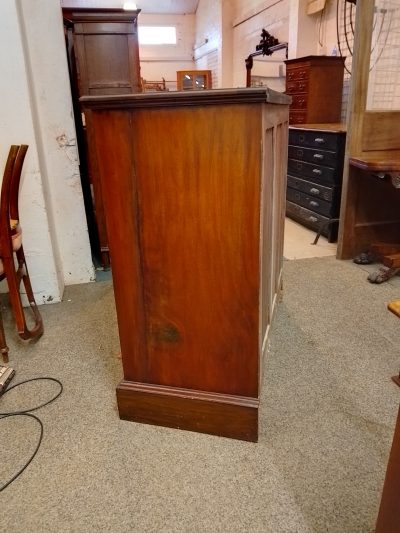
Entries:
{"x":382,"y":274}
{"x":365,"y":258}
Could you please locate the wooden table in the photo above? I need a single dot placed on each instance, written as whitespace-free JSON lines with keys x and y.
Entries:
{"x":371,"y":213}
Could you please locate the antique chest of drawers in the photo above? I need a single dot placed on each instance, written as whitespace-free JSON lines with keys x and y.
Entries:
{"x":314,"y":179}
{"x":315,"y":84}
{"x":190,"y":232}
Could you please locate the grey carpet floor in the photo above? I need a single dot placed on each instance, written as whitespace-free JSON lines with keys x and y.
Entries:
{"x":327,"y":420}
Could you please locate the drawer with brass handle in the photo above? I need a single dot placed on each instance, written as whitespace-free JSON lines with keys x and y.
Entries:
{"x":297,"y":86}
{"x":299,"y":101}
{"x":297,"y":74}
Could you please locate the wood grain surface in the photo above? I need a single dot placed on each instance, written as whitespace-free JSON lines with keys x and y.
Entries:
{"x":194,"y":198}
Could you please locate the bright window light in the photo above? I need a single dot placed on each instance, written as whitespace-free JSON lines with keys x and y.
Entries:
{"x":157,"y":35}
{"x":130,"y":6}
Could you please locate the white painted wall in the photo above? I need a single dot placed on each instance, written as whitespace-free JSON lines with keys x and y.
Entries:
{"x":227,"y":44}
{"x":36,"y":109}
{"x":163,"y":61}
{"x":249,"y":18}
{"x":227,"y":31}
{"x":208,"y":42}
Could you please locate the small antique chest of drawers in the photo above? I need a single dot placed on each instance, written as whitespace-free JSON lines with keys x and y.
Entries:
{"x":315,"y":84}
{"x":314,"y":179}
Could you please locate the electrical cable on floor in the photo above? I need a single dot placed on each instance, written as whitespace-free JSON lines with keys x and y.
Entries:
{"x":27,"y":413}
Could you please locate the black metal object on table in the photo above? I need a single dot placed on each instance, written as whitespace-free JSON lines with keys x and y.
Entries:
{"x":266,"y":47}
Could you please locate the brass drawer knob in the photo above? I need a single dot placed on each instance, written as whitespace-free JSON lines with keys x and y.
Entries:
{"x":314,"y":191}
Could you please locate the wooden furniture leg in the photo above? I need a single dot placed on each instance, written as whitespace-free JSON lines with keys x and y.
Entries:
{"x":377,"y":252}
{"x":3,"y":343}
{"x":394,"y":307}
{"x":389,"y":510}
{"x":386,"y":253}
{"x":7,"y":178}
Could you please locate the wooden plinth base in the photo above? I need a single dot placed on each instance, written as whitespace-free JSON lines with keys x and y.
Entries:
{"x":396,"y":379}
{"x":235,"y":417}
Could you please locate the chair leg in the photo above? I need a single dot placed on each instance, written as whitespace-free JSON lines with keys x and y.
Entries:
{"x":3,"y":344}
{"x":23,"y":269}
{"x":14,"y":279}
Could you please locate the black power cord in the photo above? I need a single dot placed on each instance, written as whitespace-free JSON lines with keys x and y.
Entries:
{"x":27,"y":413}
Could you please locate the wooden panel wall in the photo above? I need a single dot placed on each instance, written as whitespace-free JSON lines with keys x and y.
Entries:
{"x":381,"y":131}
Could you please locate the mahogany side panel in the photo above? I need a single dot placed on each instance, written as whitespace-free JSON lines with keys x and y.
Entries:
{"x":113,"y":138}
{"x":199,"y":235}
{"x":273,"y":195}
{"x":195,"y":204}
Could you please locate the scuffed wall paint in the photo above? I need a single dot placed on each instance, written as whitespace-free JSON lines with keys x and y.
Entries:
{"x":16,"y":127}
{"x":49,"y":87}
{"x":36,"y":109}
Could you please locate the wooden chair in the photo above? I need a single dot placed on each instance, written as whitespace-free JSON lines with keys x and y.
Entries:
{"x":12,"y":259}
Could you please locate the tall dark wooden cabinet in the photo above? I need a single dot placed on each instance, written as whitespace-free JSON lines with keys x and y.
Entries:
{"x":194,"y":186}
{"x":103,"y":55}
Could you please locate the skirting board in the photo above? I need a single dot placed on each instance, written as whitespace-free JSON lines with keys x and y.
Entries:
{"x":235,"y":417}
